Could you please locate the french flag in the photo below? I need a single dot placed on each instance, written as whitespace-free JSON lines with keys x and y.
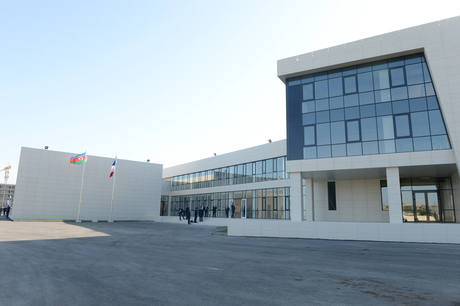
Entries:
{"x":113,"y":167}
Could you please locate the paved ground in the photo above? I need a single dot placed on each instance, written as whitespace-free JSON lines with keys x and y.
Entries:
{"x":149,"y":263}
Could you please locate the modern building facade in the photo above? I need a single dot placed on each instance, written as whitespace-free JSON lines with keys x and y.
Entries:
{"x":6,"y":193}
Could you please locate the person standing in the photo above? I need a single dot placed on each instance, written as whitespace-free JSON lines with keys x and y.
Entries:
{"x":226,"y":211}
{"x":196,"y":213}
{"x":206,"y":211}
{"x":233,"y":210}
{"x":187,"y":214}
{"x":201,"y":212}
{"x":181,"y":211}
{"x":214,"y":211}
{"x":8,"y":211}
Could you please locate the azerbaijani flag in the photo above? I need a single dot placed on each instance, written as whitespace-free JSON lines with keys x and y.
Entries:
{"x":113,"y":168}
{"x":79,"y":159}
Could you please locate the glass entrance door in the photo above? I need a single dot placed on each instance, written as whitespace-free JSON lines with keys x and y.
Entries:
{"x":426,"y":206}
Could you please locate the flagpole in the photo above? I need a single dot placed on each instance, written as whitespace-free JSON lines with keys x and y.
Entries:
{"x":113,"y":188}
{"x":81,"y":190}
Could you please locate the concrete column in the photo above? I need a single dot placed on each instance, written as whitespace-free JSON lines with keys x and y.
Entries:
{"x":296,"y":196}
{"x":309,"y":200}
{"x":394,"y":195}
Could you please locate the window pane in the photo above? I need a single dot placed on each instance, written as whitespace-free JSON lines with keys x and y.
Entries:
{"x":381,"y":80}
{"x":414,"y":74}
{"x":308,"y":79}
{"x":383,"y":109}
{"x":336,"y":102}
{"x":440,"y":142}
{"x":308,"y":92}
{"x":436,"y":123}
{"x":308,"y":119}
{"x":429,"y":89}
{"x":353,"y":131}
{"x":309,"y":135}
{"x":352,"y":113}
{"x":369,"y":129}
{"x":324,"y":151}
{"x":322,"y":105}
{"x":404,"y":145}
{"x":308,"y":107}
{"x":382,"y":96}
{"x":338,"y":132}
{"x":417,"y":105}
{"x":422,"y":144}
{"x":322,"y":117}
{"x":354,"y":149}
{"x":386,"y":146}
{"x":397,"y":77}
{"x":401,"y":107}
{"x":323,"y":134}
{"x":432,"y":102}
{"x":399,"y":93}
{"x":366,"y":98}
{"x":335,"y":87}
{"x":351,"y":100}
{"x":350,"y":84}
{"x":385,"y":127}
{"x":339,"y":150}
{"x":367,"y":111}
{"x":416,"y":91}
{"x":321,"y":90}
{"x":365,"y":82}
{"x":309,"y":152}
{"x":426,"y":74}
{"x":370,"y":148}
{"x":420,"y":125}
{"x":337,"y":114}
{"x":402,"y":126}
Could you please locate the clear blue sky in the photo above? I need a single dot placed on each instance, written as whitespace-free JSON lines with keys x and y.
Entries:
{"x":169,"y":81}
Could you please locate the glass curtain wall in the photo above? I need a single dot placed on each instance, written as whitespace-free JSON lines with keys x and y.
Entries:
{"x":381,"y":107}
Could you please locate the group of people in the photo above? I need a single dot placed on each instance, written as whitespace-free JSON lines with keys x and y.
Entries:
{"x":5,"y":211}
{"x":202,"y":212}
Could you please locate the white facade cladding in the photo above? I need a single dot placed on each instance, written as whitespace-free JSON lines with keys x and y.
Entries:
{"x":48,"y":187}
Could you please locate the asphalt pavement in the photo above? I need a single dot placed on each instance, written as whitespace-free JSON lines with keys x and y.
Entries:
{"x":151,"y":263}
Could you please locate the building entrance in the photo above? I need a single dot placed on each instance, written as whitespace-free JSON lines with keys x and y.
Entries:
{"x":426,"y":206}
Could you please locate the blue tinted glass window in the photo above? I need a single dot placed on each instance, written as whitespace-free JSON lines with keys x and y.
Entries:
{"x":365,"y":82}
{"x":382,"y":96}
{"x":308,"y":119}
{"x":371,"y":147}
{"x":293,"y":82}
{"x":367,"y":111}
{"x":308,"y":79}
{"x":426,"y":74}
{"x":399,"y":93}
{"x":385,"y":127}
{"x":404,"y":145}
{"x":350,"y":84}
{"x":429,"y":90}
{"x":417,"y":105}
{"x":296,"y":120}
{"x":397,"y":77}
{"x":432,"y":102}
{"x":309,"y":135}
{"x":336,"y":102}
{"x":339,"y":150}
{"x":308,"y":93}
{"x":338,"y":132}
{"x":308,"y":107}
{"x":295,"y":94}
{"x":352,"y":113}
{"x":396,"y":62}
{"x":349,"y":71}
{"x":414,"y":74}
{"x":436,"y":123}
{"x":332,"y":74}
{"x":383,"y":109}
{"x":364,"y":68}
{"x":323,"y":134}
{"x":416,"y":91}
{"x":366,"y":98}
{"x":322,"y":117}
{"x":411,"y":59}
{"x":420,"y":124}
{"x":354,"y":149}
{"x":295,"y":136}
{"x":351,"y":100}
{"x":295,"y":109}
{"x":337,"y":114}
{"x":369,"y":129}
{"x":379,"y":65}
{"x":353,"y":131}
{"x":387,"y":146}
{"x":321,"y":76}
{"x":381,"y":79}
{"x":321,"y":90}
{"x":400,"y":107}
{"x":335,"y":87}
{"x":440,"y":142}
{"x":322,"y":105}
{"x":324,"y":151}
{"x":309,"y":152}
{"x":402,"y":126}
{"x":422,"y":143}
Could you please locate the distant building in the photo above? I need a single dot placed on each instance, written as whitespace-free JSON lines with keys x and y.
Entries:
{"x":6,"y":193}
